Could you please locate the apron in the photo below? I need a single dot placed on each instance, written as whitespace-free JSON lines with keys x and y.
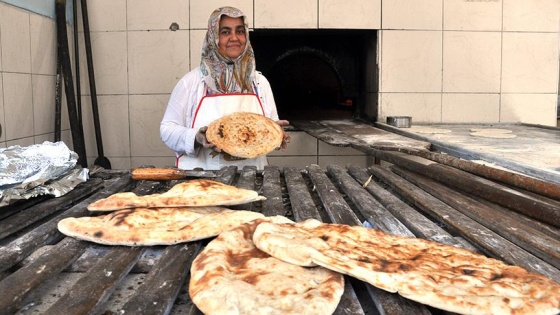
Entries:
{"x":210,"y":108}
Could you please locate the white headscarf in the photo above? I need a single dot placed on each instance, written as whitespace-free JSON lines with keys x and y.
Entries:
{"x":222,"y":74}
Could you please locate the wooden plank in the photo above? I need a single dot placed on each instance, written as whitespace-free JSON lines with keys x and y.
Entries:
{"x":337,"y":209}
{"x":534,"y":241}
{"x":370,"y":208}
{"x":17,"y":286}
{"x":246,"y":180}
{"x":14,"y":251}
{"x":341,"y":213}
{"x":272,"y":190}
{"x":92,"y":290}
{"x":489,"y":241}
{"x":420,"y":225}
{"x":162,"y":285}
{"x":37,"y":212}
{"x":544,"y":209}
{"x":302,"y":203}
{"x":226,"y":175}
{"x":323,"y":133}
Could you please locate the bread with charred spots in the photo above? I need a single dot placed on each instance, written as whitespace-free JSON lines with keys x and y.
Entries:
{"x":245,"y":135}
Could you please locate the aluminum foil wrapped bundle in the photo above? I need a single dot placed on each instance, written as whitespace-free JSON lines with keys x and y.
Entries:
{"x":47,"y":168}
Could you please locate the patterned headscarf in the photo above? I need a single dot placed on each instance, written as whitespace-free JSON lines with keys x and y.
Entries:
{"x":239,"y":75}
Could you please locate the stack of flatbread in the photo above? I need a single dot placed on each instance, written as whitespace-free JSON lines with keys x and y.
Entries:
{"x":245,"y":135}
{"x":189,"y":211}
{"x":431,"y":273}
{"x":232,"y":276}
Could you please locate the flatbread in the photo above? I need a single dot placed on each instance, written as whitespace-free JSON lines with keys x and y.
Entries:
{"x":245,"y":135}
{"x":193,"y":193}
{"x":497,"y":133}
{"x":443,"y":276}
{"x":231,"y":276}
{"x":147,"y":227}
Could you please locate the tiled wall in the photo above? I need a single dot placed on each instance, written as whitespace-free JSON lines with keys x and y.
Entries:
{"x":439,"y":61}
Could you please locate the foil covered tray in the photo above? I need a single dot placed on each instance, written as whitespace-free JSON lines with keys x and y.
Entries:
{"x":39,"y":169}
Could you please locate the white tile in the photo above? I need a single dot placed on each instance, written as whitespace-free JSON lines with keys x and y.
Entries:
{"x":43,"y":45}
{"x":530,"y":63}
{"x":43,"y":103}
{"x":18,"y":105}
{"x":196,"y":41}
{"x":200,"y":11}
{"x":299,"y":162}
{"x":15,"y":40}
{"x":470,"y":108}
{"x":157,"y":15}
{"x":350,"y":14}
{"x":109,"y":55}
{"x":411,"y":61}
{"x":140,"y":161}
{"x":23,"y":142}
{"x":146,"y":112}
{"x":2,"y":119}
{"x":529,"y":108}
{"x":301,"y":143}
{"x":105,"y":15}
{"x":422,"y":107}
{"x":412,"y":14}
{"x":286,"y":14}
{"x":531,"y":16}
{"x":471,"y":61}
{"x":472,"y":15}
{"x":114,"y":122}
{"x":157,"y":60}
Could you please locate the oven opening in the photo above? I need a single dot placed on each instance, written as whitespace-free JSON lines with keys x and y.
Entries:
{"x":319,"y":74}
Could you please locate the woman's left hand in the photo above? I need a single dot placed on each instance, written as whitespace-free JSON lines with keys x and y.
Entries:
{"x":287,"y":137}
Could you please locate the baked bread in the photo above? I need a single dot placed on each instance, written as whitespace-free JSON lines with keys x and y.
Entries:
{"x":147,"y":227}
{"x":231,"y":276}
{"x":443,"y":276}
{"x":193,"y":193}
{"x":245,"y":135}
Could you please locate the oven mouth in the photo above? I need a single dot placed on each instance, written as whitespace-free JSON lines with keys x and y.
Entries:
{"x":317,"y":74}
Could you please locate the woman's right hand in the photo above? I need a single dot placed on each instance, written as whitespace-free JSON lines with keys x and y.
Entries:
{"x":201,"y":139}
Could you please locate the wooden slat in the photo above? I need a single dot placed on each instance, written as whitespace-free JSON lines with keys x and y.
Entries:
{"x":340,"y":212}
{"x":272,"y":190}
{"x":533,"y":241}
{"x":162,"y":285}
{"x":544,"y":209}
{"x":18,"y":249}
{"x":489,"y":241}
{"x":17,"y":286}
{"x":420,"y":225}
{"x":303,"y":206}
{"x":335,"y":205}
{"x":92,"y":290}
{"x":247,"y":180}
{"x":37,"y":212}
{"x":323,"y":133}
{"x":370,"y":208}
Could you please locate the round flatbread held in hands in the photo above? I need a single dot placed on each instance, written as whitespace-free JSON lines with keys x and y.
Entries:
{"x":245,"y":135}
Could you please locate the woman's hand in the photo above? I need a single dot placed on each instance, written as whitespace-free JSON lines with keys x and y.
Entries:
{"x":201,"y":140}
{"x":287,"y":137}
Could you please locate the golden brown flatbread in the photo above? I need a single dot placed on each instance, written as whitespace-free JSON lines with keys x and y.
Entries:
{"x":245,"y":135}
{"x":443,"y":276}
{"x":193,"y":193}
{"x":162,"y":226}
{"x":231,"y":276}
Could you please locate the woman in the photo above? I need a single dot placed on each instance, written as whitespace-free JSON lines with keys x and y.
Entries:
{"x":225,"y":82}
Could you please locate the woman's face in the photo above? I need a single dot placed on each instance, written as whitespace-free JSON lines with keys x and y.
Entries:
{"x":232,"y":38}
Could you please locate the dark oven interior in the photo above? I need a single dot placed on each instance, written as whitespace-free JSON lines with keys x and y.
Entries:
{"x":317,"y":74}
